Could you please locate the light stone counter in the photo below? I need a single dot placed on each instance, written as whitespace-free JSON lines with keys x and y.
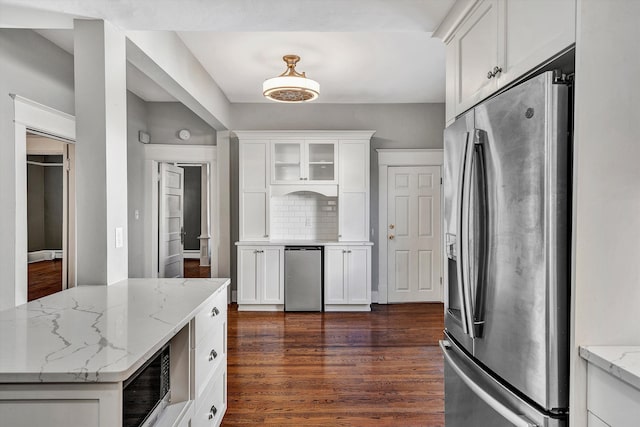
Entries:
{"x":97,"y":333}
{"x":622,"y":362}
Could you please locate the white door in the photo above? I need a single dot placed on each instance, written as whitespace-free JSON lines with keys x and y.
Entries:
{"x":171,"y":221}
{"x":413,"y":234}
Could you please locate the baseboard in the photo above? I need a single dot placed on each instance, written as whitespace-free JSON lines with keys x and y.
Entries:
{"x":374,"y":297}
{"x":44,"y":255}
{"x":191,"y":254}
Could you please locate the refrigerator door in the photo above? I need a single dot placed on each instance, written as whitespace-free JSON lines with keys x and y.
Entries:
{"x":475,"y":398}
{"x":303,"y":278}
{"x":456,"y":141}
{"x":521,"y":302}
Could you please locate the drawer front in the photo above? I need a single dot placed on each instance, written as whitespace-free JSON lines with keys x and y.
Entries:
{"x":211,"y":406}
{"x":208,"y":354}
{"x":211,"y":316}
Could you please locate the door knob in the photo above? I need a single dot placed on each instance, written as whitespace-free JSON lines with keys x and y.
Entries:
{"x":391,"y":226}
{"x":391,"y":236}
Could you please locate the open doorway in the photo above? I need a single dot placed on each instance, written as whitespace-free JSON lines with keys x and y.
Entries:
{"x":183,"y":220}
{"x":195,"y":255}
{"x":49,"y":189}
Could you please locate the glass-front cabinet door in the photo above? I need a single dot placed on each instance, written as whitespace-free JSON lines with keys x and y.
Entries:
{"x":287,"y":162}
{"x":302,"y":162}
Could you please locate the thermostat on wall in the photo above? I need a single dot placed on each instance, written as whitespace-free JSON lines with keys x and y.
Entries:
{"x":184,"y":134}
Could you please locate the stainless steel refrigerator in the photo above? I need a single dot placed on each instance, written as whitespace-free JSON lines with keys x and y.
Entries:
{"x":507,"y":224}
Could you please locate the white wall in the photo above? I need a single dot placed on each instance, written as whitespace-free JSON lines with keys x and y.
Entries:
{"x":396,"y":126}
{"x":136,"y":121}
{"x":36,"y":69}
{"x":165,"y":119}
{"x":606,"y":288}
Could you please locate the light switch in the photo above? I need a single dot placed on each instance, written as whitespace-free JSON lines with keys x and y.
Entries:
{"x":119,"y":237}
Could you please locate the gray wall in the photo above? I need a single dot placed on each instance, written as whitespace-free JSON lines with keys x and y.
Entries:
{"x":136,"y":121}
{"x":34,"y":68}
{"x":192,"y":209}
{"x":165,"y":119}
{"x":396,"y":126}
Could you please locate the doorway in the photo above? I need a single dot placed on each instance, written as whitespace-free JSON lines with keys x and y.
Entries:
{"x":188,"y":160}
{"x":50,"y":175}
{"x":409,"y":243}
{"x":413,"y":235}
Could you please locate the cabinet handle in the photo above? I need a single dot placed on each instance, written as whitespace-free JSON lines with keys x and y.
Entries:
{"x":489,"y":75}
{"x":215,"y":312}
{"x":348,"y":251}
{"x":212,"y":412}
{"x":212,"y":355}
{"x":496,"y":70}
{"x":266,"y":235}
{"x":339,"y":235}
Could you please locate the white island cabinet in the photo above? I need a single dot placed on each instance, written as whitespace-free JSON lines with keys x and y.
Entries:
{"x":64,"y":358}
{"x":613,"y":385}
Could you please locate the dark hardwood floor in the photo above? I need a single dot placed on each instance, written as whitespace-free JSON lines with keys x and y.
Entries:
{"x":44,"y":278}
{"x":382,"y":368}
{"x":192,"y":269}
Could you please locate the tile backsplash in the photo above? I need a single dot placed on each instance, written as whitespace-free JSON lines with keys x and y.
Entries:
{"x":304,"y":215}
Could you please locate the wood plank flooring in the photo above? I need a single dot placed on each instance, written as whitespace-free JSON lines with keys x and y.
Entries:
{"x":192,"y":269}
{"x":382,"y":368}
{"x":44,"y":278}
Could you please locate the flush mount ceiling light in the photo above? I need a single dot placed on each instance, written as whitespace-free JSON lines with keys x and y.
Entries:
{"x":291,"y":86}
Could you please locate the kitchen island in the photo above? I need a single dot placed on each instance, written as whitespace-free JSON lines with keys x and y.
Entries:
{"x":64,"y":358}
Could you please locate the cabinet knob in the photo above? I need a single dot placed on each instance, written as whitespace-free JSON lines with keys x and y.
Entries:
{"x":489,"y":75}
{"x":266,"y":235}
{"x":339,"y":235}
{"x":212,"y":412}
{"x":212,"y":355}
{"x":215,"y":312}
{"x":496,"y":70}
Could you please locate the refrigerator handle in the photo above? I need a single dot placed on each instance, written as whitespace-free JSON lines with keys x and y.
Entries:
{"x":463,"y":233}
{"x":477,"y":268}
{"x":515,"y":419}
{"x":460,"y":241}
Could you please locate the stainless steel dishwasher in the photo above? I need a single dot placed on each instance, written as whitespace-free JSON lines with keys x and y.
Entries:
{"x":303,"y":278}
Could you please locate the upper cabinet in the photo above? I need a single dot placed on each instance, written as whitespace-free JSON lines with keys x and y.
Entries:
{"x":491,"y":43}
{"x":304,"y":162}
{"x":275,"y":164}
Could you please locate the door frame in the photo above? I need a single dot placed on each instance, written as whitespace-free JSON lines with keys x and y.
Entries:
{"x":390,"y":157}
{"x":206,"y":155}
{"x":33,"y":116}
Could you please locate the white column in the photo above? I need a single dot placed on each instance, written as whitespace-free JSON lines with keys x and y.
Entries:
{"x":204,"y":217}
{"x":101,"y":152}
{"x":224,"y":204}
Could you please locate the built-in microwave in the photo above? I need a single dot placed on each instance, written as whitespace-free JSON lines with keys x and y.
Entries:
{"x":146,"y":393}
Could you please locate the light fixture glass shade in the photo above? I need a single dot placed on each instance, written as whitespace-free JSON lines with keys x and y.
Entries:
{"x":291,"y":86}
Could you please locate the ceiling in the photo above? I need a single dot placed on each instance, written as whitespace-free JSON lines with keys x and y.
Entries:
{"x":360,"y":51}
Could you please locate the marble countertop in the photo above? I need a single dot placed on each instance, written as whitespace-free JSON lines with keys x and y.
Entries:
{"x":622,"y":362}
{"x":301,"y":243}
{"x":97,"y":333}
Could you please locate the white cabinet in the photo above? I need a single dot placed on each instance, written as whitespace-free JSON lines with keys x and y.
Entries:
{"x":347,"y":278}
{"x":353,"y":191}
{"x":610,"y":401}
{"x":303,"y":162}
{"x":260,"y":277}
{"x":476,"y":50}
{"x":254,"y":190}
{"x":499,"y":41}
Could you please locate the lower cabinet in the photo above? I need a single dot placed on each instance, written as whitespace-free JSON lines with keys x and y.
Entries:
{"x":261,"y":278}
{"x":347,"y":278}
{"x":611,"y":402}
